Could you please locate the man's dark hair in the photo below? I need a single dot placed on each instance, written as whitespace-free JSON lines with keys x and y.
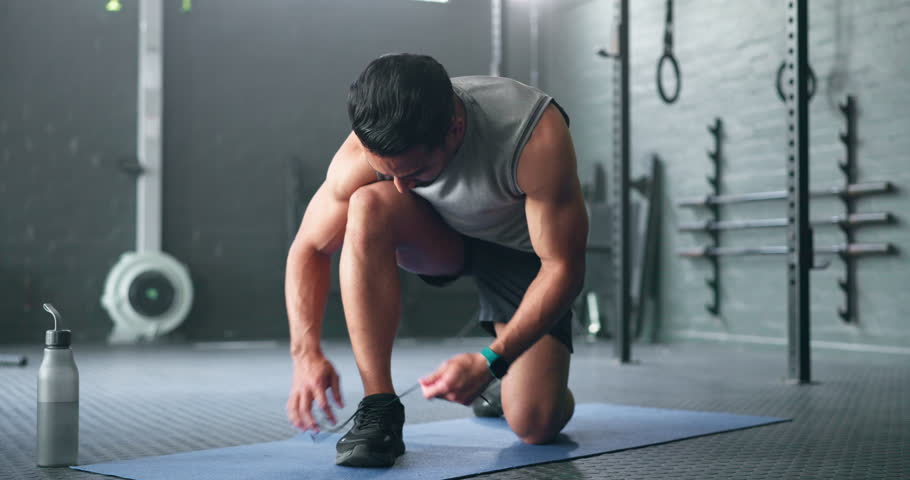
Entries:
{"x":401,"y":101}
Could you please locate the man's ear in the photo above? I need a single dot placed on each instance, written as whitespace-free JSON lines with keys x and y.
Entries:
{"x":457,"y":125}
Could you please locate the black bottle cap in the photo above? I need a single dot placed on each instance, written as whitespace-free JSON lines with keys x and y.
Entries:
{"x":58,"y":338}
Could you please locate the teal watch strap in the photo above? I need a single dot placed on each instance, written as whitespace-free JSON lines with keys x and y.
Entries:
{"x":498,"y":366}
{"x":490,"y":355}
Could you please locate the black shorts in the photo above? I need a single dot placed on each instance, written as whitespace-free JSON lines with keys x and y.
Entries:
{"x":502,"y":276}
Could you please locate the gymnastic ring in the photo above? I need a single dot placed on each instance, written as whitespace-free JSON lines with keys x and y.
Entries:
{"x":780,"y":77}
{"x":660,"y":88}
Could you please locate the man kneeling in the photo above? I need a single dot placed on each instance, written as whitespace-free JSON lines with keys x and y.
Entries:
{"x":443,"y":177}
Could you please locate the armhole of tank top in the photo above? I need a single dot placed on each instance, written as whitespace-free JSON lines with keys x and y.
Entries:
{"x":528,"y":130}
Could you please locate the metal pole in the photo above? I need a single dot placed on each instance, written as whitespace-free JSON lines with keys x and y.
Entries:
{"x":799,"y":235}
{"x":623,"y":254}
{"x":496,"y":14}
{"x":534,"y":43}
{"x":148,"y":138}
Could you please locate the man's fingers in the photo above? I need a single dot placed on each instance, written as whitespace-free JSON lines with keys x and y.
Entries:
{"x":305,"y":415}
{"x":432,"y":386}
{"x":441,"y":386}
{"x":293,"y":416}
{"x":433,"y":391}
{"x":324,"y":405}
{"x":336,"y":391}
{"x":431,"y":378}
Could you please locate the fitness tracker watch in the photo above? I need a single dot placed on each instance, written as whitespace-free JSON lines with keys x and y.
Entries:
{"x":498,"y":366}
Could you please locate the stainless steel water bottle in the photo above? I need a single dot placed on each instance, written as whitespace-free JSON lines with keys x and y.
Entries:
{"x":58,"y":400}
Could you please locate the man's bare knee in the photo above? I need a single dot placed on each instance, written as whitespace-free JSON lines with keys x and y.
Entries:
{"x":539,"y":422}
{"x":537,"y":426}
{"x":537,"y":431}
{"x":381,"y":217}
{"x":370,"y":200}
{"x":369,"y":213}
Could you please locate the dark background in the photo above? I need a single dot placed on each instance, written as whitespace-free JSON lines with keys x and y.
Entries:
{"x":254,"y":110}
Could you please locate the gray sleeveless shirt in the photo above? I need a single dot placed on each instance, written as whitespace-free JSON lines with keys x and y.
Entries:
{"x":477,"y":194}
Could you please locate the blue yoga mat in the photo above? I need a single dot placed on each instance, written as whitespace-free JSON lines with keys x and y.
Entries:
{"x":447,"y":449}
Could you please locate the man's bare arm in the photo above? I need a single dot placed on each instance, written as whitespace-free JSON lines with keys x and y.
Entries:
{"x":558,"y":225}
{"x":321,"y":233}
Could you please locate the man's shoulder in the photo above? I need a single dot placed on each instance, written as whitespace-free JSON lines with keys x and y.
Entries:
{"x":550,"y":139}
{"x":349,"y":169}
{"x":482,"y":82}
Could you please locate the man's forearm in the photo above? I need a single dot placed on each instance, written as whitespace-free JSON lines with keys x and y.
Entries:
{"x":547,"y":299}
{"x":306,"y":289}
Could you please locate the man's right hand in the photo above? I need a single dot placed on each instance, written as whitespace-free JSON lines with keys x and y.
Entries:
{"x":313,"y":375}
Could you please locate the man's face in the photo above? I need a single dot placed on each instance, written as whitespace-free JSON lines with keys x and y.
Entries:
{"x":416,"y":167}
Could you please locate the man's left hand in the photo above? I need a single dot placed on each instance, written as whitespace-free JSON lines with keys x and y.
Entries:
{"x":460,"y":379}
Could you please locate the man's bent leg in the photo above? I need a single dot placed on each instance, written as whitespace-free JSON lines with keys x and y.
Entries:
{"x":386,"y":229}
{"x":536,"y":399}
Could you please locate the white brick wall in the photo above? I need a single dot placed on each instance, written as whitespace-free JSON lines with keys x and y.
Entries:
{"x":729,"y":52}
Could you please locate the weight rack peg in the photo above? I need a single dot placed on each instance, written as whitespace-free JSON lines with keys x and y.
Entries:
{"x":852,"y":190}
{"x":852,"y":220}
{"x":854,"y":249}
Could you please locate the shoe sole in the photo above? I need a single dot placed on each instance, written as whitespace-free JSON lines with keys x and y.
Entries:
{"x":484,"y":409}
{"x":361,"y":456}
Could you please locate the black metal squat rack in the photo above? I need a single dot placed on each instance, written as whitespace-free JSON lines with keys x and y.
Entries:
{"x":621,"y":227}
{"x":799,"y":250}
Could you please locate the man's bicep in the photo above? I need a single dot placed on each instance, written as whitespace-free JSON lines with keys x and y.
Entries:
{"x":558,"y":225}
{"x":554,"y":205}
{"x":322,"y":228}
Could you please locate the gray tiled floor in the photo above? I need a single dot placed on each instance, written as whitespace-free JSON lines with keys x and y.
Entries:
{"x":139,"y":401}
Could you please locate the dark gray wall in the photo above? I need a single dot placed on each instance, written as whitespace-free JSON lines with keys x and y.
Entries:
{"x":254,"y":111}
{"x":729,"y":53}
{"x":67,"y":113}
{"x":251,"y":88}
{"x":516,"y":61}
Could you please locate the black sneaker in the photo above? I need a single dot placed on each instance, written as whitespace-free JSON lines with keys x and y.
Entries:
{"x":375,"y":440}
{"x":492,"y":406}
